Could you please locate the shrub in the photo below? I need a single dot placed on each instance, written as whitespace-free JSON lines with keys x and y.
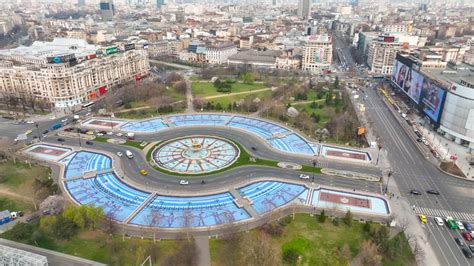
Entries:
{"x":348,"y":218}
{"x":291,"y":256}
{"x":273,"y":229}
{"x":322,"y":217}
{"x":285,"y":221}
{"x":336,"y":221}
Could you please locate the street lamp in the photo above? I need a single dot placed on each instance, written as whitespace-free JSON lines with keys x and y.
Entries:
{"x":314,"y":168}
{"x":378,"y":154}
{"x":388,"y":180}
{"x":79,"y":134}
{"x":37,"y":131}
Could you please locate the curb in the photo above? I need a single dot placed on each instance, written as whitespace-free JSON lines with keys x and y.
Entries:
{"x":456,"y":176}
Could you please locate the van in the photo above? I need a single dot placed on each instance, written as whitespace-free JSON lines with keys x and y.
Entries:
{"x":129,"y":154}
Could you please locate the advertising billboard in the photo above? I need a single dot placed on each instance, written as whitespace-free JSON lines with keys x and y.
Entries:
{"x":61,"y":58}
{"x":432,"y":99}
{"x":129,"y":46}
{"x":407,"y":79}
{"x":111,"y":50}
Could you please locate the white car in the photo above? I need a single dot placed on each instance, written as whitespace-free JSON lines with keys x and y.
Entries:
{"x":439,"y":221}
{"x":88,"y":114}
{"x":184,"y":182}
{"x":119,"y":134}
{"x":64,"y":120}
{"x":30,"y":122}
{"x":119,"y":154}
{"x":460,"y":225}
{"x":110,"y":133}
{"x":303,"y":176}
{"x":100,"y":134}
{"x":448,"y":218}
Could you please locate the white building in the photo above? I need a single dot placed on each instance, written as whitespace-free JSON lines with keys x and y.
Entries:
{"x":381,"y":55}
{"x":219,"y":53}
{"x":317,"y":54}
{"x":68,"y":75}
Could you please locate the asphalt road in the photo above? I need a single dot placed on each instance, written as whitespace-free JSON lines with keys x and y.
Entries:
{"x":414,"y":169}
{"x":219,"y":181}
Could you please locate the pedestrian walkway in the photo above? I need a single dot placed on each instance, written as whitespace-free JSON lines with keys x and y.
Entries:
{"x":463,"y":216}
{"x":204,"y":254}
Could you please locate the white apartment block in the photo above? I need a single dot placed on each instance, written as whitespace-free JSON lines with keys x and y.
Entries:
{"x":67,"y":79}
{"x":395,"y":28}
{"x":218,"y":54}
{"x":381,"y":56}
{"x":317,"y":54}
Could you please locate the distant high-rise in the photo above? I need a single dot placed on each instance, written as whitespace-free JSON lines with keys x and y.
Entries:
{"x":160,"y":4}
{"x":303,"y":9}
{"x":274,"y":2}
{"x":107,"y":9}
{"x":81,"y":2}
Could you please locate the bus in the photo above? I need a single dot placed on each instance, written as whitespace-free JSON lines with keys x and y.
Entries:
{"x":87,"y":104}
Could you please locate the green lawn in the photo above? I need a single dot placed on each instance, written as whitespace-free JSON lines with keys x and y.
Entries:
{"x":225,"y":101}
{"x":98,"y":246}
{"x":318,"y":243}
{"x":15,"y":205}
{"x":16,"y":175}
{"x":138,"y":114}
{"x":205,"y":89}
{"x":325,"y":113}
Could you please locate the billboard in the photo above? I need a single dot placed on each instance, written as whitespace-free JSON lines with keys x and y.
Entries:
{"x":129,"y":46}
{"x":432,"y":99}
{"x":61,"y":58}
{"x":111,"y":50}
{"x":407,"y":79}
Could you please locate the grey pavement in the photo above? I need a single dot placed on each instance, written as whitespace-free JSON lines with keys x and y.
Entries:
{"x":204,"y":255}
{"x":54,"y":258}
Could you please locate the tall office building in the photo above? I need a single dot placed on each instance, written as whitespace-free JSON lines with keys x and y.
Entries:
{"x":303,"y":9}
{"x":160,"y":4}
{"x":107,"y":10}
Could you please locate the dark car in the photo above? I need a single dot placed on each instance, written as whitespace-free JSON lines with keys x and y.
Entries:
{"x":415,"y":192}
{"x":61,"y":140}
{"x":468,"y":226}
{"x":467,"y":253}
{"x":45,"y":132}
{"x":471,"y":247}
{"x":254,"y":148}
{"x":419,"y":140}
{"x":459,"y":241}
{"x":89,"y":142}
{"x":433,"y":192}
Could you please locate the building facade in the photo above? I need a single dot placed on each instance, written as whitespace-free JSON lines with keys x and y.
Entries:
{"x":219,"y":53}
{"x":381,"y":56}
{"x":317,"y":54}
{"x":304,"y":9}
{"x":68,"y":79}
{"x":107,"y":9}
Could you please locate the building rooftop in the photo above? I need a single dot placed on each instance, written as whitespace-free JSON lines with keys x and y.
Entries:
{"x":59,"y":46}
{"x":453,"y":73}
{"x":267,"y":56}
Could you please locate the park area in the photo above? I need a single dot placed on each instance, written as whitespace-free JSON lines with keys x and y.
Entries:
{"x":306,"y":240}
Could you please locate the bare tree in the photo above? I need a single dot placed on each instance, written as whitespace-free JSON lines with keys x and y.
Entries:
{"x":369,"y":254}
{"x":259,"y":251}
{"x":181,"y":87}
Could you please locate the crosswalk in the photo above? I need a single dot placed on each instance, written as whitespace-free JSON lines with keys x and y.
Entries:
{"x":463,"y":216}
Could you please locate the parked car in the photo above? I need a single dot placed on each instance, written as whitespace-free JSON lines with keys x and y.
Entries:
{"x":466,"y":253}
{"x":467,"y":236}
{"x":419,"y":140}
{"x":468,"y":226}
{"x":89,"y":142}
{"x":415,"y":192}
{"x":460,"y":225}
{"x":459,"y":241}
{"x":433,"y":192}
{"x":471,"y":247}
{"x":439,"y":221}
{"x":61,"y":140}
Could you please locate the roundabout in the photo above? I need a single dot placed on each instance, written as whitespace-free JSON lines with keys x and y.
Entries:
{"x":218,"y":151}
{"x":195,"y":154}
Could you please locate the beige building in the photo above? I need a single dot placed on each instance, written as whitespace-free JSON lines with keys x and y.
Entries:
{"x":381,"y":56}
{"x":65,"y":77}
{"x":219,"y":53}
{"x":317,"y":54}
{"x":246,"y":42}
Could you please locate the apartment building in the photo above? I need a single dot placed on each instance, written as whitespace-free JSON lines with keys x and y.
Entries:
{"x":219,"y":53}
{"x":317,"y":53}
{"x":381,"y":55}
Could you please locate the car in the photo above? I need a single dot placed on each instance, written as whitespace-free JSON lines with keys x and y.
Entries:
{"x":460,"y":225}
{"x":433,"y":192}
{"x":459,"y":241}
{"x":69,"y":129}
{"x":103,"y":132}
{"x":30,"y":122}
{"x":45,"y":132}
{"x":119,"y":134}
{"x":184,"y":182}
{"x":64,"y":120}
{"x":61,"y":140}
{"x":467,"y":253}
{"x":89,"y":142}
{"x":415,"y":192}
{"x":110,"y":133}
{"x":90,"y":133}
{"x":471,"y":247}
{"x":119,"y":154}
{"x":28,"y":132}
{"x":425,"y":142}
{"x":468,"y":226}
{"x":303,"y":176}
{"x":88,"y":114}
{"x":467,"y":236}
{"x":143,"y":172}
{"x":254,"y":148}
{"x":439,"y":221}
{"x":422,"y":218}
{"x":100,"y":134}
{"x":419,"y":140}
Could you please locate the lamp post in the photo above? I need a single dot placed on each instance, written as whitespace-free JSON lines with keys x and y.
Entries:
{"x":37,"y":131}
{"x":388,"y":180}
{"x":79,"y":135}
{"x":314,"y":168}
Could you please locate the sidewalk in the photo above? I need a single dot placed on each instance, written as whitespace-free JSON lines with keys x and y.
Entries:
{"x":446,"y":148}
